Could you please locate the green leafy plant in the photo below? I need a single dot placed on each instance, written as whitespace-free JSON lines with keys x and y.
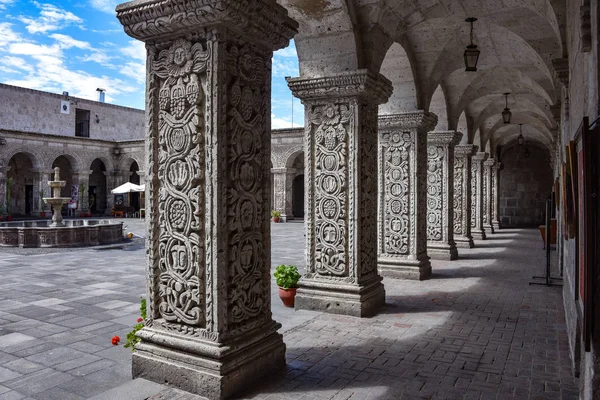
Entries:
{"x":275,"y":214}
{"x":42,"y":195}
{"x":132,"y":339}
{"x":81,"y":194}
{"x":287,"y":276}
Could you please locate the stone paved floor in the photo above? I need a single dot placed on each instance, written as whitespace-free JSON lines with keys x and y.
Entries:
{"x":477,"y":330}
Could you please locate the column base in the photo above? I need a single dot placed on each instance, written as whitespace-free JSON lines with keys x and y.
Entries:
{"x":442,"y":251}
{"x":489,"y":229}
{"x":418,"y":270}
{"x":337,"y":297}
{"x":286,"y":217}
{"x":214,"y":370}
{"x":464,"y":242}
{"x":479,"y":235}
{"x":496,"y":225}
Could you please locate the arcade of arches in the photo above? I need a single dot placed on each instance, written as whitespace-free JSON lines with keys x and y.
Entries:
{"x":400,"y":144}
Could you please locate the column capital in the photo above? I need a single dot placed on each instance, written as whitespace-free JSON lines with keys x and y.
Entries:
{"x":362,"y":83}
{"x":261,"y":21}
{"x":561,"y":70}
{"x":490,"y":162}
{"x":284,"y":170}
{"x":480,"y":156}
{"x":411,"y":120}
{"x":83,"y":172}
{"x":41,"y":171}
{"x":465,"y":150}
{"x":444,"y":137}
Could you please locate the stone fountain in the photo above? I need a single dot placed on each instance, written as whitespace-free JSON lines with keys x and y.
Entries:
{"x":57,"y":202}
{"x":59,"y":233}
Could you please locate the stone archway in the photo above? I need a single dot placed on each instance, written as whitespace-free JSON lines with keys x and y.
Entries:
{"x":134,"y":177}
{"x":66,"y":174}
{"x":21,"y":182}
{"x":97,"y":187}
{"x":295,"y":168}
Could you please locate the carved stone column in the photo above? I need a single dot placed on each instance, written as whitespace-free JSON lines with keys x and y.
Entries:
{"x":402,"y":239}
{"x":82,"y":177}
{"x":209,"y":328}
{"x":282,"y":181}
{"x":496,"y":196}
{"x":440,"y":194}
{"x":113,"y":179}
{"x":487,"y":195}
{"x":341,"y":175}
{"x":463,"y":195}
{"x":477,"y":230}
{"x":3,"y":173}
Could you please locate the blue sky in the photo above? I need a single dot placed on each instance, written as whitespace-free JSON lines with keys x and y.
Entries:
{"x":78,"y":46}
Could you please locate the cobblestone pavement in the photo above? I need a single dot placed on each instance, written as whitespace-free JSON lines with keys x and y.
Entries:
{"x":476,"y":330}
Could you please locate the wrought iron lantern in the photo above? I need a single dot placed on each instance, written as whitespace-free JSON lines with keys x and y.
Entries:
{"x":520,"y":139}
{"x":471,"y":52}
{"x":506,"y":114}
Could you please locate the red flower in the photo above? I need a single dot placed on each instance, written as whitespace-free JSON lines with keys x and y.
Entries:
{"x":115,"y":340}
{"x":140,"y":320}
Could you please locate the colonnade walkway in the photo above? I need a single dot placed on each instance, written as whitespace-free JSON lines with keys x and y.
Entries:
{"x":476,"y":330}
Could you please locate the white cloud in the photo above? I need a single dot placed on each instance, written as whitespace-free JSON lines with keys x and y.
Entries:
{"x":134,"y":70}
{"x":66,"y":41}
{"x":7,"y":35}
{"x":32,"y":49}
{"x":135,"y":50}
{"x":98,"y":57}
{"x":16,"y":62}
{"x":51,"y":18}
{"x":281,"y":123}
{"x":285,"y":67}
{"x":107,"y":6}
{"x":289,"y":51}
{"x":5,"y":3}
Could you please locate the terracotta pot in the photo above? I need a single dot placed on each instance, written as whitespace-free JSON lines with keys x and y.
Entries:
{"x":287,"y":296}
{"x":275,"y":219}
{"x":42,"y":214}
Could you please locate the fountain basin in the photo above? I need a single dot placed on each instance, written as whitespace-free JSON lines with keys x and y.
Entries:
{"x":75,"y":233}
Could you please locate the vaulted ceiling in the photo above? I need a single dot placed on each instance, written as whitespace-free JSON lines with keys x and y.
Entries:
{"x":419,"y":46}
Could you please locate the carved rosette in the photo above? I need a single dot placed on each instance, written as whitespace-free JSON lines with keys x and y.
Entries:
{"x":463,"y":204}
{"x":402,"y":234}
{"x":477,"y":230}
{"x":341,"y":159}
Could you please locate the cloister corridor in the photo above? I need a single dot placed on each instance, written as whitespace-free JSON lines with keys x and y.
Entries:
{"x":476,"y":330}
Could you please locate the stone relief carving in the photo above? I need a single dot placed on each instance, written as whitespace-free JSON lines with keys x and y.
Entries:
{"x":459,"y":165}
{"x":180,"y":170}
{"x":395,"y":149}
{"x":435,"y":195}
{"x":474,"y":194}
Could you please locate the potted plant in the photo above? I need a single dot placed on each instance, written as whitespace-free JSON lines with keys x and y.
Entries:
{"x":286,"y":277}
{"x":276,"y":215}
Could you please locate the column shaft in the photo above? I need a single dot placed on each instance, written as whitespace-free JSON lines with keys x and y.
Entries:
{"x":440,"y":194}
{"x":477,"y":230}
{"x":402,"y":238}
{"x":3,"y":173}
{"x":496,"y":195}
{"x":463,"y":195}
{"x":209,"y":329}
{"x":341,"y":163}
{"x":487,"y":195}
{"x":282,"y":181}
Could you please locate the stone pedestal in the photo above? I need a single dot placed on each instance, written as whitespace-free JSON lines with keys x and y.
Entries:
{"x":282,"y":181}
{"x":477,"y":230}
{"x":402,"y":238}
{"x":341,"y":174}
{"x":440,"y":194}
{"x":463,"y":195}
{"x":487,"y":196}
{"x":209,"y":329}
{"x":496,"y":196}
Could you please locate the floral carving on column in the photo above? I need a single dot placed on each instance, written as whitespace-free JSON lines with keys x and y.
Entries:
{"x":210,"y":328}
{"x":477,"y":230}
{"x":487,"y":195}
{"x":402,"y":232}
{"x":440,"y":194}
{"x":341,"y":193}
{"x":496,"y":168}
{"x":463,"y":202}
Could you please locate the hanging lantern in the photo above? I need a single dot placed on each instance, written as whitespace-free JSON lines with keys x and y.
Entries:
{"x":520,"y":139}
{"x":472,"y":52}
{"x":526,"y":153}
{"x":506,"y":114}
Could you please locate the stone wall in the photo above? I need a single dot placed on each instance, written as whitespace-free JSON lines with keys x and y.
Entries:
{"x":19,"y":105}
{"x":525,"y":184}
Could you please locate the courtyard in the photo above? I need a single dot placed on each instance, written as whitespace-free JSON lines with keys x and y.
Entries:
{"x":476,"y":330}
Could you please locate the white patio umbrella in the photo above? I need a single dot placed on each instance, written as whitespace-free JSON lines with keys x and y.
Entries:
{"x":128,"y":188}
